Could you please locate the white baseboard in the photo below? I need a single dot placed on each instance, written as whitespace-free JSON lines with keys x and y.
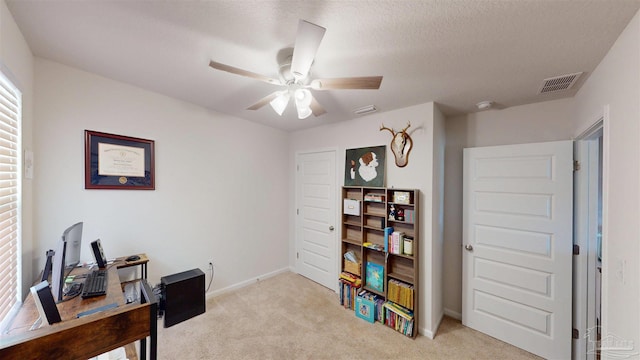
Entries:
{"x":431,"y":333}
{"x":242,"y":284}
{"x":454,"y":314}
{"x":428,"y":333}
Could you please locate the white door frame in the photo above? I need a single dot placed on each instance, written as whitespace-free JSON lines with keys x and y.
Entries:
{"x":586,"y":203}
{"x":297,"y":246}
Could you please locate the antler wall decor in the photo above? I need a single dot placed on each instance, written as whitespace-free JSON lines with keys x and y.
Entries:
{"x":401,"y":145}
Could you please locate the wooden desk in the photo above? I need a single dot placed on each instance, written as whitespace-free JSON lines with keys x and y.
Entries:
{"x":122,"y":263}
{"x":88,"y":336}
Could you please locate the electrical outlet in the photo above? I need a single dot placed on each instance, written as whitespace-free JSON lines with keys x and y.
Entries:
{"x":211,"y":263}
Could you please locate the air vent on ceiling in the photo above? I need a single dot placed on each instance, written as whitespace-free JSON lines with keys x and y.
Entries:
{"x":365,"y":110}
{"x":559,"y":83}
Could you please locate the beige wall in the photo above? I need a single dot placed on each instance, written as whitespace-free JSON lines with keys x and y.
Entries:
{"x":221,"y":182}
{"x":613,"y":91}
{"x":546,"y":121}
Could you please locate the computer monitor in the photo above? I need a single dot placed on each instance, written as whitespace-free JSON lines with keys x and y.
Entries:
{"x":66,"y":257}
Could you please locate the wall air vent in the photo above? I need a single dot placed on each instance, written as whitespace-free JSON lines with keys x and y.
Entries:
{"x":559,"y":83}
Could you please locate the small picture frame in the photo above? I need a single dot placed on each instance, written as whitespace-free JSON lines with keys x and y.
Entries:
{"x":402,"y":197}
{"x":118,"y":162}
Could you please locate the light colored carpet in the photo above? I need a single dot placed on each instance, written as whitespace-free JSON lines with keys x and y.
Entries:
{"x":290,"y":317}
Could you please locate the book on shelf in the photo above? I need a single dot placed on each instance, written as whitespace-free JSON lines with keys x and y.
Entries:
{"x":396,"y":242}
{"x":378,"y":302}
{"x":365,"y":309}
{"x":404,"y":312}
{"x":387,"y":233}
{"x":348,"y":293}
{"x":400,"y":293}
{"x":374,"y":197}
{"x":350,"y":278}
{"x":410,"y":216}
{"x":375,"y":276}
{"x":399,"y":318}
{"x":373,"y":246}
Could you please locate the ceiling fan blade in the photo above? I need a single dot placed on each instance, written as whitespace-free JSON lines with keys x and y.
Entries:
{"x":264,"y":101}
{"x":316,"y":108}
{"x":304,"y":51}
{"x":365,"y":82}
{"x":241,"y":72}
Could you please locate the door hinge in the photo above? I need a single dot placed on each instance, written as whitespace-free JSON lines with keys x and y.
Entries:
{"x":576,"y":249}
{"x":297,"y":167}
{"x":575,"y":334}
{"x":576,"y":165}
{"x":297,"y":211}
{"x":297,"y":255}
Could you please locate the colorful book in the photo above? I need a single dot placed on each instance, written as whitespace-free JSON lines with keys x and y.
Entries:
{"x":365,"y":309}
{"x":387,"y":234}
{"x":375,"y":276}
{"x":352,"y":279}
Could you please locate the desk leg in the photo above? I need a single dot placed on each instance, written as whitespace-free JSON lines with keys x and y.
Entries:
{"x":154,"y":334}
{"x":148,"y":296}
{"x":144,"y":271}
{"x":143,"y":349}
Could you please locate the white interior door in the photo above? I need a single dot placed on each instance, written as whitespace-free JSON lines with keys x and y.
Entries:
{"x":517,"y":245}
{"x":315,"y":219}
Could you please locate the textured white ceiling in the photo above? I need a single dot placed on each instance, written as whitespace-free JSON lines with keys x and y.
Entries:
{"x":453,"y":52}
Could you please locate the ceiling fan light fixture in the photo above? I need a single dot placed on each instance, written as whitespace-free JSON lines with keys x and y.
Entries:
{"x":280,"y":102}
{"x":303,"y":102}
{"x":303,"y":112}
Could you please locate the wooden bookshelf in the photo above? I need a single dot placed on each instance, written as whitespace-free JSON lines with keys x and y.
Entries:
{"x":367,"y":225}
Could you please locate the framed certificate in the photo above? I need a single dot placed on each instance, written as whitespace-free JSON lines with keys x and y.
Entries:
{"x":118,"y":162}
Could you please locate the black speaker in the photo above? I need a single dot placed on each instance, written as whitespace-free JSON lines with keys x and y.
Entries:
{"x":44,"y":302}
{"x":182,"y":296}
{"x":98,"y":254}
{"x":48,"y":266}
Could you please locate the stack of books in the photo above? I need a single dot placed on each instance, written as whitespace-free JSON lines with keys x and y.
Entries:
{"x":374,"y":197}
{"x":398,"y":318}
{"x":400,"y":293}
{"x":349,"y":286}
{"x":396,"y":242}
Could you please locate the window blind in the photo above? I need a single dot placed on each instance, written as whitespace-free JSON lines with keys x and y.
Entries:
{"x":10,"y":273}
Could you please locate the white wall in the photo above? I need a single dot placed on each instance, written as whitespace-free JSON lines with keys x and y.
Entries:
{"x":364,"y":132}
{"x":16,"y":62}
{"x":615,"y":85}
{"x":221,"y":182}
{"x":546,"y":121}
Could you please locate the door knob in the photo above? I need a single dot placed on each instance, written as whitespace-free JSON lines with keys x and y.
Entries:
{"x":331,"y":228}
{"x":468,"y":247}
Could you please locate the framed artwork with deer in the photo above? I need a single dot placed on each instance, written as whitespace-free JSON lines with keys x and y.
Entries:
{"x":365,"y":166}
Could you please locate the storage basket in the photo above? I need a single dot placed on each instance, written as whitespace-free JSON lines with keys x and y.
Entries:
{"x":354,"y":268}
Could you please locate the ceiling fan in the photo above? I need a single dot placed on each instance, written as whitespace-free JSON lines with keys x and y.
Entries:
{"x":295,"y":64}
